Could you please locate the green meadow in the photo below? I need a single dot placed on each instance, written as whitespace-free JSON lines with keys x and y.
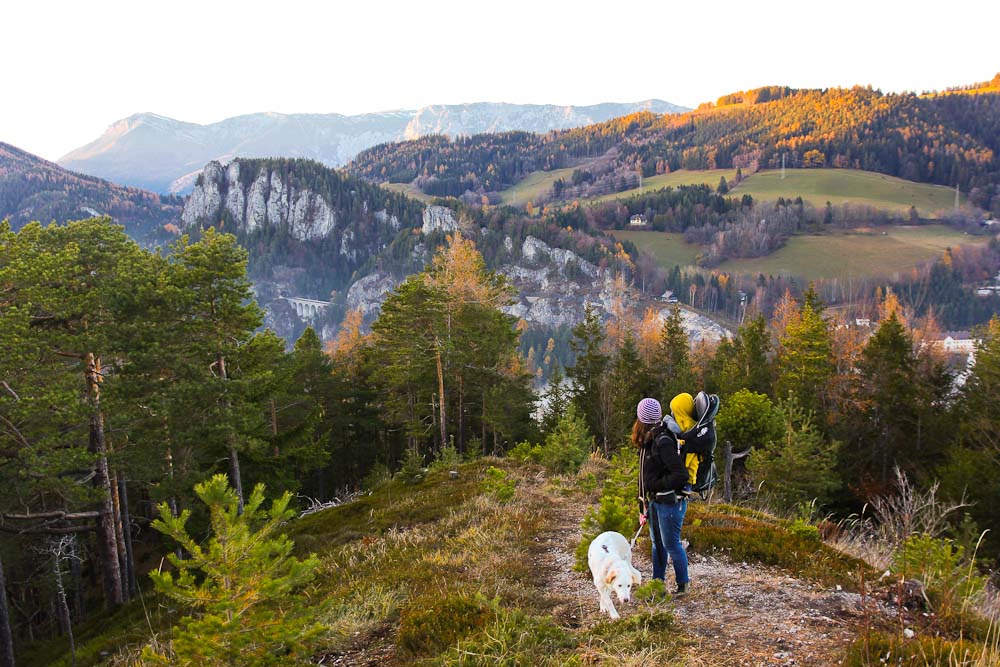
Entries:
{"x":672,"y":180}
{"x":839,"y":255}
{"x":409,"y":190}
{"x":848,"y":186}
{"x":534,"y":185}
{"x":669,"y":248}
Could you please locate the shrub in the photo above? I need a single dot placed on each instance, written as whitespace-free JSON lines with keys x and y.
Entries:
{"x":446,"y":459}
{"x":429,"y":625}
{"x":566,"y":446}
{"x":950,"y":579}
{"x":651,"y":590}
{"x":498,"y":484}
{"x":413,"y":470}
{"x":526,"y":452}
{"x":512,"y":638}
{"x":618,"y":508}
{"x":805,"y":530}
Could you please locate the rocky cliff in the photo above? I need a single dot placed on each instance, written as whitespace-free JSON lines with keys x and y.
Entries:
{"x":313,"y":233}
{"x":261,"y":197}
{"x":310,"y":231}
{"x":554,"y":286}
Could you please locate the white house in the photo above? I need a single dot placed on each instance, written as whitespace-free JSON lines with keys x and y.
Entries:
{"x":668,"y":297}
{"x":637,"y":220}
{"x":958,"y":342}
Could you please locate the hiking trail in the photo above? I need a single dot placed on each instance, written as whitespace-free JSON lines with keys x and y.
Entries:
{"x":736,"y":614}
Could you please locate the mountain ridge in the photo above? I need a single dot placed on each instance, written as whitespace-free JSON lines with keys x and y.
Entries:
{"x":33,"y":188}
{"x":948,"y":139}
{"x":164,"y":154}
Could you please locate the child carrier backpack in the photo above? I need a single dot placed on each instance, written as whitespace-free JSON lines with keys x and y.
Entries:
{"x":706,"y":406}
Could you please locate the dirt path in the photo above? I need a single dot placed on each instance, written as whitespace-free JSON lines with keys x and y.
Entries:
{"x":736,"y":614}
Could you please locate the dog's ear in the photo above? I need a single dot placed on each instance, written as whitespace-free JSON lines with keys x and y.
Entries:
{"x":636,"y":576}
{"x":611,"y":575}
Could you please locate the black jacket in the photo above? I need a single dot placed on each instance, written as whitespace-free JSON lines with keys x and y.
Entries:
{"x":660,"y":465}
{"x":699,"y":440}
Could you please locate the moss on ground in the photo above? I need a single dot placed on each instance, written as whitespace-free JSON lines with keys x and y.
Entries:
{"x":754,"y":537}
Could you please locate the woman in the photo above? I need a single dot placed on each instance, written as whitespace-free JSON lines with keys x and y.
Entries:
{"x":662,"y":477}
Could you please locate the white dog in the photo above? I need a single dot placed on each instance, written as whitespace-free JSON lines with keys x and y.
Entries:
{"x":610,"y":560}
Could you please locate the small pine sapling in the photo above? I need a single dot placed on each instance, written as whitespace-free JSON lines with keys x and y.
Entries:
{"x":242,"y":588}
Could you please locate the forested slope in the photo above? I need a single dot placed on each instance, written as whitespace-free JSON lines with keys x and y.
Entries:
{"x":35,"y":189}
{"x":948,"y":139}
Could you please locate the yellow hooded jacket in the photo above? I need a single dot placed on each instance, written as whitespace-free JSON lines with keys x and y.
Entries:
{"x":682,"y":408}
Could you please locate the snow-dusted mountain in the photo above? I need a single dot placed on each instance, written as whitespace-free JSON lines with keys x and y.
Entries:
{"x":165,"y":155}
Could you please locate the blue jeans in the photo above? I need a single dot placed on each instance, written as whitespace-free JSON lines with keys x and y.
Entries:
{"x":665,"y":523}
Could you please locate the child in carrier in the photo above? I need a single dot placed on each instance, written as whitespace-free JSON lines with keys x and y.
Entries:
{"x":693,"y":421}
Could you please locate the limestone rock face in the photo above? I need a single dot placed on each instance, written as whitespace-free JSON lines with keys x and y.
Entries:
{"x":206,"y":198}
{"x":263,"y":200}
{"x":439,"y":218}
{"x":369,"y":293}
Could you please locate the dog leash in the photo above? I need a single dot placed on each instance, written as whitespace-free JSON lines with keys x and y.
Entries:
{"x":632,"y":543}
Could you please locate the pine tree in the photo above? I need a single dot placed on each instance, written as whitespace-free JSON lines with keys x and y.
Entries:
{"x":627,"y":385}
{"x":68,"y":305}
{"x":805,"y":362}
{"x":971,"y":467}
{"x":890,"y":393}
{"x":672,"y":364}
{"x":744,"y":362}
{"x":555,"y":400}
{"x":441,"y":340}
{"x":799,"y":467}
{"x":241,"y":587}
{"x":215,"y":316}
{"x":588,"y":370}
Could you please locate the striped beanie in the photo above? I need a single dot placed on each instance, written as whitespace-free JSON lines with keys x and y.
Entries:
{"x":649,"y":411}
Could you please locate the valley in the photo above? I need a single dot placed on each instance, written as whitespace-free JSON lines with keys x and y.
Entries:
{"x":428,"y":357}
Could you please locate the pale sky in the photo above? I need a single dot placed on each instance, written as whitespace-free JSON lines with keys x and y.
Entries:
{"x":73,"y":68}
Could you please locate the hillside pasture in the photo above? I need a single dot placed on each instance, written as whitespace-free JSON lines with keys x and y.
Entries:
{"x":848,"y":186}
{"x":672,"y":180}
{"x":669,"y":248}
{"x":410,"y":190}
{"x":885,"y":252}
{"x":859,"y":254}
{"x":534,"y":185}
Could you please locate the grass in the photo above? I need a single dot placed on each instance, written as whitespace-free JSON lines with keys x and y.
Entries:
{"x":539,"y":183}
{"x":410,"y":190}
{"x":848,"y":186}
{"x":447,"y":572}
{"x":681,"y":177}
{"x":854,"y":254}
{"x":669,"y":248}
{"x":879,"y":648}
{"x":445,"y":557}
{"x":759,"y":538}
{"x":534,"y":185}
